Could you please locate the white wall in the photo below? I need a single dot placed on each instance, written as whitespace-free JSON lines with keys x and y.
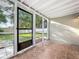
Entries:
{"x":64,"y":31}
{"x":70,"y":20}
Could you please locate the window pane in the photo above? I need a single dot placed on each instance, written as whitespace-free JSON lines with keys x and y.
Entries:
{"x":39,"y":29}
{"x":45,"y":29}
{"x":25,"y":20}
{"x":38,"y":22}
{"x":25,"y":35}
{"x":45,"y":23}
{"x":6,"y":28}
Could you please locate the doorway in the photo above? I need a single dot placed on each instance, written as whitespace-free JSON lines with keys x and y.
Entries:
{"x":24,"y":29}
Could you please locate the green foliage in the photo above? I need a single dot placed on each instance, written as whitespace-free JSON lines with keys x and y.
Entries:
{"x":45,"y":23}
{"x":2,"y":17}
{"x":38,"y":21}
{"x":25,"y":19}
{"x":1,"y":30}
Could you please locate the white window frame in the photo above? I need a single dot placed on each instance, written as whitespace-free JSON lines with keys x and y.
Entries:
{"x":19,"y":4}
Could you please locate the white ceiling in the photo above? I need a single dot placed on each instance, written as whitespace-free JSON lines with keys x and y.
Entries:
{"x":54,"y":8}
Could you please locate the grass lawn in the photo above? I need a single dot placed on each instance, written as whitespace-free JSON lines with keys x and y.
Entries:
{"x":6,"y":37}
{"x":28,"y":36}
{"x":25,"y":35}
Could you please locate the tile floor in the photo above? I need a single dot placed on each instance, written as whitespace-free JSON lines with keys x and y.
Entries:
{"x":51,"y":50}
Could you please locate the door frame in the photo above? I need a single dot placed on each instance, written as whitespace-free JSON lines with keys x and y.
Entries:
{"x":30,"y":42}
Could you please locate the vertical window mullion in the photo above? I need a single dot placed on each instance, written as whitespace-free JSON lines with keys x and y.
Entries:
{"x":34,"y":28}
{"x":42,"y":29}
{"x":15,"y":28}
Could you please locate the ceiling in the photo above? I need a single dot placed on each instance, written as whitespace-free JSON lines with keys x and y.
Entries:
{"x":54,"y":8}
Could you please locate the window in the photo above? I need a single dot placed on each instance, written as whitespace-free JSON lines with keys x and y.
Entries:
{"x":6,"y":28}
{"x":45,"y":29}
{"x":39,"y":29}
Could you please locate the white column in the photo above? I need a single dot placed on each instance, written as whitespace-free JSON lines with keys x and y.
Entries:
{"x":15,"y":27}
{"x":49,"y":29}
{"x":42,"y":29}
{"x":34,"y":28}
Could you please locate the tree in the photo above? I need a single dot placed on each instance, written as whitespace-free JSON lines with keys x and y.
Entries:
{"x":45,"y":23}
{"x":25,"y":20}
{"x":38,"y":21}
{"x":2,"y":17}
{"x":8,"y":9}
{"x":1,"y":30}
